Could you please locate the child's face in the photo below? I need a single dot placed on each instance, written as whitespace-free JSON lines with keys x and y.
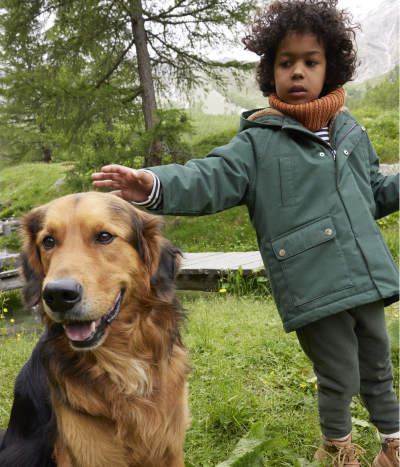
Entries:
{"x":300,"y":68}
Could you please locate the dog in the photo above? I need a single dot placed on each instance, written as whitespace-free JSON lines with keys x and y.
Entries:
{"x":106,"y":385}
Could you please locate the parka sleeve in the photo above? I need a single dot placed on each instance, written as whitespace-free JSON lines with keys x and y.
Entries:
{"x":384,"y":188}
{"x":224,"y":179}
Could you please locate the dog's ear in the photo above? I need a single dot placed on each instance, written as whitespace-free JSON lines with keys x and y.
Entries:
{"x":160,"y":257}
{"x":168,"y":267}
{"x":32,"y":268}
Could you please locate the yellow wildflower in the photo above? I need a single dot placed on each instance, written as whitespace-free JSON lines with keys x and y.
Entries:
{"x":5,"y":310}
{"x":12,"y":320}
{"x":222,"y":290}
{"x":272,"y":373}
{"x":303,"y":385}
{"x":316,"y":387}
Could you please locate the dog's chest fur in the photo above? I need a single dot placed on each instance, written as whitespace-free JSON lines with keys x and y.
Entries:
{"x":109,"y":411}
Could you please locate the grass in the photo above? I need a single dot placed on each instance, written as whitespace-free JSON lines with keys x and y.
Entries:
{"x":383,"y":131}
{"x":245,"y":369}
{"x":27,"y":185}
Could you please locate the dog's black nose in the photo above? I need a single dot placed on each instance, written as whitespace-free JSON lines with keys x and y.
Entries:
{"x":62,"y":294}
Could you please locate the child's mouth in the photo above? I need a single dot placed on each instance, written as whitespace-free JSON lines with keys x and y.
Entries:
{"x":297,"y":91}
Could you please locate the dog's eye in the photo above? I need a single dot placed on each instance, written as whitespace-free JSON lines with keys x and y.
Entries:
{"x":104,"y":237}
{"x":48,"y":243}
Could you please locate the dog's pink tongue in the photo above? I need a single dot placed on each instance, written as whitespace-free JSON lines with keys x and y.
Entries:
{"x":78,"y":331}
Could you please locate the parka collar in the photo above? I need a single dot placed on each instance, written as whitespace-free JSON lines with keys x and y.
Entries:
{"x":341,"y":123}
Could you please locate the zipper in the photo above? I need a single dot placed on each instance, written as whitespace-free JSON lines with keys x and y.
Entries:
{"x":333,"y":151}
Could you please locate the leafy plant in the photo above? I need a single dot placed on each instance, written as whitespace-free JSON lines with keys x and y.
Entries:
{"x":248,"y":449}
{"x":13,"y":242}
{"x":236,"y":283}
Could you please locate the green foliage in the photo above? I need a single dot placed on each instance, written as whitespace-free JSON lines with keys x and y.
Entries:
{"x":207,"y":125}
{"x":13,"y":300}
{"x":383,"y":131}
{"x":29,"y":186}
{"x":131,"y":150}
{"x":202,"y":146}
{"x":12,"y":243}
{"x":248,"y":449}
{"x":392,"y":220}
{"x":236,"y":283}
{"x":384,"y":95}
{"x":227,"y":231}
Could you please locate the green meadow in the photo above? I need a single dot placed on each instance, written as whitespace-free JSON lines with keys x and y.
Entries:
{"x":245,"y":369}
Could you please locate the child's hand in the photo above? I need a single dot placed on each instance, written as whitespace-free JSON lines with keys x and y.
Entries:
{"x":135,"y":185}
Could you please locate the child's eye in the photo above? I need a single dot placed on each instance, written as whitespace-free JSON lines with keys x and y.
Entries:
{"x":311,"y":62}
{"x":285,"y":64}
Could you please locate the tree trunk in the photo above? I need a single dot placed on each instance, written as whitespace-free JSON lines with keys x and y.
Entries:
{"x":46,"y":151}
{"x":110,"y":138}
{"x":146,"y":79}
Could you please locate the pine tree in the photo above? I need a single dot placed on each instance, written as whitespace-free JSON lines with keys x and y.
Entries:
{"x":161,"y":44}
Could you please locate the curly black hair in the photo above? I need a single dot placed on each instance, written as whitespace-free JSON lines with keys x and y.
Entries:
{"x":333,"y":27}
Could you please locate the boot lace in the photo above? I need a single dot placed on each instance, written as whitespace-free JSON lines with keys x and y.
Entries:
{"x":348,"y":453}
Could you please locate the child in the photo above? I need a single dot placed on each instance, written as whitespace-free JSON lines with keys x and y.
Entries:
{"x":308,"y":174}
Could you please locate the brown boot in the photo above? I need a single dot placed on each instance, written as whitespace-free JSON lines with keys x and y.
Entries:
{"x":389,"y":454}
{"x":341,"y":453}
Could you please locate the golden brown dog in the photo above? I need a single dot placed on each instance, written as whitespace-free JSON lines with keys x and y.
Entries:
{"x":114,"y":361}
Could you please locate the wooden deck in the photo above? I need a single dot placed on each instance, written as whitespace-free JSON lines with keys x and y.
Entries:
{"x":199,"y":271}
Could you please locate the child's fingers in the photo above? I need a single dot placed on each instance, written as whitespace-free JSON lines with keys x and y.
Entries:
{"x":108,"y":176}
{"x":116,"y":169}
{"x":116,"y":193}
{"x":107,"y":184}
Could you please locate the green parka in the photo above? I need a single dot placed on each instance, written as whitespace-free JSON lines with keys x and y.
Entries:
{"x":314,"y":216}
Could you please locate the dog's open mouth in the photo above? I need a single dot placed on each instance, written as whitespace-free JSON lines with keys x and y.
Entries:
{"x":86,"y":334}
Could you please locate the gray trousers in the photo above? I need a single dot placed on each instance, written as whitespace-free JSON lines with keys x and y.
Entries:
{"x":351,"y":355}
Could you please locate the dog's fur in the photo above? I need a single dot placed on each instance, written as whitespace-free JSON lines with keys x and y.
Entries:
{"x":123,"y":402}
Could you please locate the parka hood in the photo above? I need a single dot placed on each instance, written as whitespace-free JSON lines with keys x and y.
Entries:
{"x":269,"y":117}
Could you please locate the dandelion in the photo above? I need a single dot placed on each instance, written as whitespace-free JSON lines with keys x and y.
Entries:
{"x":303,"y":385}
{"x":272,"y":373}
{"x":265,"y":382}
{"x":5,"y":310}
{"x":222,"y":290}
{"x":11,"y":320}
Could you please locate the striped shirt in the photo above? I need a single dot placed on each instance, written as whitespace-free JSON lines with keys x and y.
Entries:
{"x":155,"y":200}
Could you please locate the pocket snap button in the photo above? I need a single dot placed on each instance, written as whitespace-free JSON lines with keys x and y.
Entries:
{"x":282,"y":252}
{"x":346,"y":152}
{"x":322,"y":154}
{"x":328,"y":232}
{"x":363,"y":128}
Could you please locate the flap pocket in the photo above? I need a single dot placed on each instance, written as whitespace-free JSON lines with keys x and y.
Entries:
{"x":307,"y":236}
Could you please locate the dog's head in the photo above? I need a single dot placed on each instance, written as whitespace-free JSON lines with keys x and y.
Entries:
{"x":86,"y":255}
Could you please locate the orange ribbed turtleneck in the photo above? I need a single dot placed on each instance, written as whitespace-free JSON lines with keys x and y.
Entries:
{"x":314,"y":115}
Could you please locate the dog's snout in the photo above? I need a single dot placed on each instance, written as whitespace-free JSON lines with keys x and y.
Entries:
{"x":61,"y":295}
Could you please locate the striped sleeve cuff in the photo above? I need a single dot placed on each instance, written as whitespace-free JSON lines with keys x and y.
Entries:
{"x":155,"y":199}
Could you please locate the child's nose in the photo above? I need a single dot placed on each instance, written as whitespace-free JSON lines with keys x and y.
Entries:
{"x":298,"y":71}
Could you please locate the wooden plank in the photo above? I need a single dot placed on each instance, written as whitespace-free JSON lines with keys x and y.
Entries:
{"x":199,"y":271}
{"x":10,"y":273}
{"x":221,"y":261}
{"x":11,"y":283}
